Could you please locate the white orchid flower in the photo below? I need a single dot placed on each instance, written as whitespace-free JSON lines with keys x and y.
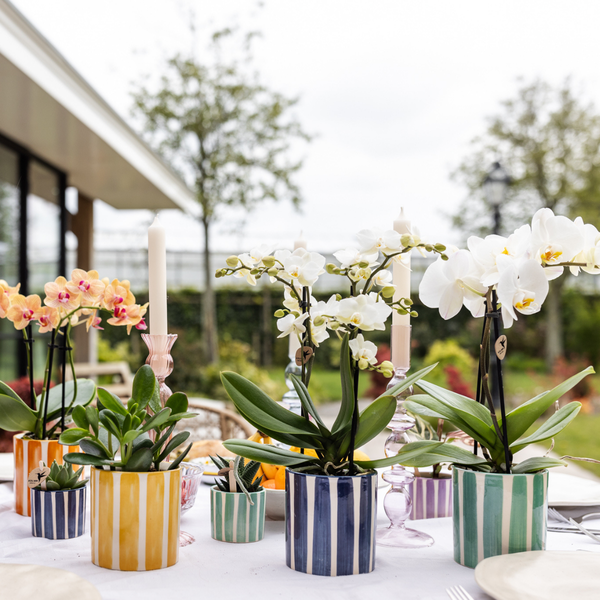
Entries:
{"x":383,"y":278}
{"x":486,"y":251}
{"x":365,"y":353}
{"x":291,"y":324}
{"x":447,"y":285}
{"x":302,"y":266}
{"x":247,"y":261}
{"x":363,"y":311}
{"x":375,"y":240}
{"x":590,"y":255}
{"x":322,"y":313}
{"x":352,"y":256}
{"x":554,"y":239}
{"x":521,"y":287}
{"x":258,"y":253}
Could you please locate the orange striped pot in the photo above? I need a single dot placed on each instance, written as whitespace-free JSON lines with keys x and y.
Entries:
{"x":28,"y":454}
{"x":135,"y":519}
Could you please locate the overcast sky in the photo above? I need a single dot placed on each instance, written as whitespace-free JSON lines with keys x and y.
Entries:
{"x":394,"y":89}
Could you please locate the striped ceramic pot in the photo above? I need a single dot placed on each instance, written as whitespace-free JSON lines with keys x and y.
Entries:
{"x":28,"y":454}
{"x":58,"y":515}
{"x":135,"y":519}
{"x":498,"y":514}
{"x":330,"y":523}
{"x":234,"y":519}
{"x":431,"y":498}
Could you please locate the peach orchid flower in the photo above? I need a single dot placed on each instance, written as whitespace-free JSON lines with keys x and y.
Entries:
{"x":24,"y":310}
{"x":131,"y":315}
{"x":87,"y":284}
{"x":58,"y":296}
{"x":4,"y":305}
{"x":117,"y":294}
{"x":93,"y":321}
{"x":48,"y":319}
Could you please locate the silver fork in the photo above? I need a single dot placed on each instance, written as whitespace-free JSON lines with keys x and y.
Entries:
{"x":559,"y":517}
{"x":458,"y":592}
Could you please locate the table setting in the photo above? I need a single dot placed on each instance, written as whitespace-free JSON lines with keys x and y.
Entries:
{"x":299,"y":506}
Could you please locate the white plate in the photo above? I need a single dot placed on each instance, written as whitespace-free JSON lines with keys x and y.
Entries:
{"x":540,"y":575}
{"x":567,"y":490}
{"x":7,"y":466}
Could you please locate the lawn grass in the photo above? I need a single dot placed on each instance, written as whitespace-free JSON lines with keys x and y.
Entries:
{"x":581,"y":439}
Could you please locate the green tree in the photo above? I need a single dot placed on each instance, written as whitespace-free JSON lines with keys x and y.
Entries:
{"x":549,"y":141}
{"x":228,"y":136}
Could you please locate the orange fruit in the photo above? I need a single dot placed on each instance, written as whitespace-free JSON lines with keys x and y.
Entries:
{"x":269,"y":470}
{"x":307,"y":451}
{"x":269,"y":483}
{"x":360,"y":455}
{"x":258,"y":474}
{"x":280,"y":479}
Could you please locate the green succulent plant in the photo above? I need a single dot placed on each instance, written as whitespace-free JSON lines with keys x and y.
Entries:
{"x":117,"y":435}
{"x":243,"y":473}
{"x":333,"y":446}
{"x":476,"y":420}
{"x":62,"y":477}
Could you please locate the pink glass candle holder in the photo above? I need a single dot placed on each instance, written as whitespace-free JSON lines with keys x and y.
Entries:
{"x":160,"y":359}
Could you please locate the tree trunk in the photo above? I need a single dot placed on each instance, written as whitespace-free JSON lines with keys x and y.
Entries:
{"x":209,"y":309}
{"x":554,"y":328}
{"x":267,"y":334}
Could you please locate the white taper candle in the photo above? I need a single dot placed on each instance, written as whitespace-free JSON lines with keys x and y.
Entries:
{"x":157,"y":278}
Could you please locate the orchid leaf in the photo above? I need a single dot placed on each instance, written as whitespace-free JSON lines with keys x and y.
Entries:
{"x":554,"y":425}
{"x":410,"y":380}
{"x":15,"y":415}
{"x":308,"y":405}
{"x":520,"y":419}
{"x":442,"y":453}
{"x":6,"y":390}
{"x":261,"y":411}
{"x":537,"y":463}
{"x":267,"y":454}
{"x":86,"y":392}
{"x":344,"y":417}
{"x":373,"y":420}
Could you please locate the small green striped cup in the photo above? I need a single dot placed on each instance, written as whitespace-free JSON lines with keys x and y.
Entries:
{"x":498,"y":514}
{"x":234,"y":519}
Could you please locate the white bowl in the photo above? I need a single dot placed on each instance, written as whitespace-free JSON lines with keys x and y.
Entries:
{"x":275,"y":506}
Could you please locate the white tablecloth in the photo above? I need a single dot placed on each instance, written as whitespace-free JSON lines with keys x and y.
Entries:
{"x":211,"y":569}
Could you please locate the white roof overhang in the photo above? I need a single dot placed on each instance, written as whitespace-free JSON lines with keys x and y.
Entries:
{"x":48,"y":108}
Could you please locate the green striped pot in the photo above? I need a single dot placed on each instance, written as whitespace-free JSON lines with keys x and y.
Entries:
{"x":497,"y":514}
{"x":234,"y":519}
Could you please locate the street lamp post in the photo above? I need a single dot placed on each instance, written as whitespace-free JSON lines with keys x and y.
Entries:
{"x":495,"y":186}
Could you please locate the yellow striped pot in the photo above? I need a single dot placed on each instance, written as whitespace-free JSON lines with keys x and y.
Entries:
{"x":135,"y":519}
{"x":234,"y":519}
{"x":496,"y":513}
{"x":28,"y":454}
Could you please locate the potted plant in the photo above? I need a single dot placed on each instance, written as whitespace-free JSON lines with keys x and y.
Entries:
{"x":500,"y":505}
{"x":66,"y":304}
{"x":136,"y":493}
{"x":431,"y":490}
{"x":237,"y":502}
{"x":331,"y":482}
{"x":58,"y":497}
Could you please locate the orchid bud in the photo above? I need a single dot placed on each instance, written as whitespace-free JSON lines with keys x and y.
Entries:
{"x":414,"y":313}
{"x":273,"y":271}
{"x":387,"y":374}
{"x":408,"y":302}
{"x":337,"y":271}
{"x":319,"y":321}
{"x":388,"y":291}
{"x":363,"y":264}
{"x":232,"y":261}
{"x":280,"y":313}
{"x":406,"y":240}
{"x":444,"y":256}
{"x":334,"y":325}
{"x":401,"y":311}
{"x":218,"y":273}
{"x":440,"y":247}
{"x":386,"y":365}
{"x":363,"y":363}
{"x":338,"y":297}
{"x":254,"y":271}
{"x":429,"y":248}
{"x":330,"y":268}
{"x":268,"y":261}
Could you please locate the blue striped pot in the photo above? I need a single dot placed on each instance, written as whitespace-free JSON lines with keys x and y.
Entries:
{"x":498,"y":514}
{"x":330,"y":523}
{"x":58,"y":515}
{"x":234,"y":519}
{"x":431,"y":498}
